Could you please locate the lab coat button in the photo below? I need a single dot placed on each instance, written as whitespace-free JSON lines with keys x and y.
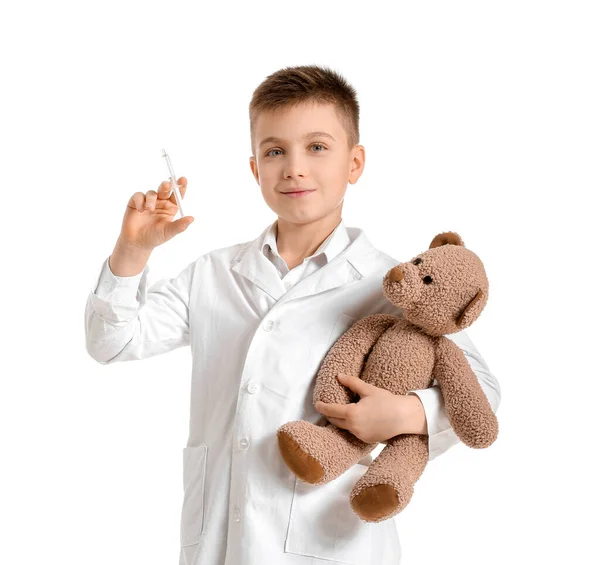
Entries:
{"x":253,"y":387}
{"x":268,"y":325}
{"x":237,"y":515}
{"x":244,"y":443}
{"x":287,"y":285}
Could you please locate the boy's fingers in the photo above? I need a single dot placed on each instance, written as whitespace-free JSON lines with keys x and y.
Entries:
{"x":138,"y":201}
{"x":182,"y":183}
{"x":339,"y":422}
{"x":332,"y":410}
{"x":176,"y":227}
{"x":164,"y":190}
{"x":150,"y":199}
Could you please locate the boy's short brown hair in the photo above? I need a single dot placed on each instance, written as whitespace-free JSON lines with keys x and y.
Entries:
{"x":292,"y":86}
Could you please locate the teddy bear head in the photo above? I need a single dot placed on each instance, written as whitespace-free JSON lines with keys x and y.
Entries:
{"x":442,"y":290}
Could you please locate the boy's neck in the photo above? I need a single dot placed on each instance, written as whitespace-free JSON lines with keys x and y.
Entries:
{"x":295,"y":242}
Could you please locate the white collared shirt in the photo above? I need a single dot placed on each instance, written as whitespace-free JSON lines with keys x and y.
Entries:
{"x":333,"y":244}
{"x":256,"y":348}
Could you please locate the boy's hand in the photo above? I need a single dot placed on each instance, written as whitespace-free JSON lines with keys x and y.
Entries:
{"x":148,"y":220}
{"x":379,"y":415}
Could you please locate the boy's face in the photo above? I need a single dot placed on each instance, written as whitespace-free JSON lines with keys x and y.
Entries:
{"x":295,"y":160}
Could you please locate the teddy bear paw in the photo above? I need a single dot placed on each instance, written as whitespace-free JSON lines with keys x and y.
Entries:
{"x":379,"y":502}
{"x":305,"y":467}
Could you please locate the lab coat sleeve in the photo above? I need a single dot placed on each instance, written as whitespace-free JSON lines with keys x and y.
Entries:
{"x":127,"y":320}
{"x":441,"y":434}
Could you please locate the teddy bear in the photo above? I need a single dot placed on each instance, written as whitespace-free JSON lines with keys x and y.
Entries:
{"x":440,"y":291}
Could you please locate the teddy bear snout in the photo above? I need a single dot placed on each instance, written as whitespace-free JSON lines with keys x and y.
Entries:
{"x":396,"y":274}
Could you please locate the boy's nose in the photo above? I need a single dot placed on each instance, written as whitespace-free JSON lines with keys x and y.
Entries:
{"x":294,"y":167}
{"x":294,"y":172}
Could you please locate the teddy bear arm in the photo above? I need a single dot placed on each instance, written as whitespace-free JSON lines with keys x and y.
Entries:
{"x":467,"y":407}
{"x":347,"y":356}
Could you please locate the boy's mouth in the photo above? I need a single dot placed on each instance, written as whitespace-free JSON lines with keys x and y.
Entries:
{"x":298,"y":193}
{"x":297,"y":189}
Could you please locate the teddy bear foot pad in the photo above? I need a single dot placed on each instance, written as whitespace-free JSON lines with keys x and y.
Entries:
{"x":305,"y":467}
{"x":376,"y":503}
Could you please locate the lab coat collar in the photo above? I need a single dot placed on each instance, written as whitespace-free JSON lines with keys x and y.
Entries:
{"x":357,"y":261}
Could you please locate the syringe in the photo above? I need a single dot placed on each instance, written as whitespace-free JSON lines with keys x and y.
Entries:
{"x":174,"y":185}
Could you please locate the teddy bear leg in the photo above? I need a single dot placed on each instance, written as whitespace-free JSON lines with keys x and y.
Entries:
{"x":319,"y":454}
{"x":387,"y":487}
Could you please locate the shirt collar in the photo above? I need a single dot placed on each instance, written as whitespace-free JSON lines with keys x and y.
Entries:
{"x":360,"y":256}
{"x":334,"y":244}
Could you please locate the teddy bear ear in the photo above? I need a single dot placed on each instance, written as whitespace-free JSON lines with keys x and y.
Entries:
{"x":472,"y":310}
{"x":448,"y":237}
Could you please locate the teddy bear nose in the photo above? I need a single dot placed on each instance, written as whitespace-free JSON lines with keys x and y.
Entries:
{"x":396,"y":274}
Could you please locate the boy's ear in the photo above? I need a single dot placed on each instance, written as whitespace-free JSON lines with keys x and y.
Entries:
{"x":357,"y":163}
{"x":254,"y":168}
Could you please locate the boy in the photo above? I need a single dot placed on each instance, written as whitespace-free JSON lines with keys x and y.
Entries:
{"x":260,"y":317}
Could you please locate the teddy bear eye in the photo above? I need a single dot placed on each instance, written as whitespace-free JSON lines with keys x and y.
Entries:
{"x":417,"y":261}
{"x":427,"y":279}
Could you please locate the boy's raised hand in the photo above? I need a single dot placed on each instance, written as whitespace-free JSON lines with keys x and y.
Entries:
{"x":148,"y":220}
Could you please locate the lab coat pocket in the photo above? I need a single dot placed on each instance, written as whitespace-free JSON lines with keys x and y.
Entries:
{"x":323,"y":525}
{"x":192,"y":511}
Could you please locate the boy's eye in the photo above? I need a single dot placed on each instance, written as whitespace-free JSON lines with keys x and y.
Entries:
{"x":268,"y":154}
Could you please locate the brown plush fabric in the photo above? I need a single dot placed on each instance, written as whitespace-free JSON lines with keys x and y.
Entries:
{"x":440,"y":291}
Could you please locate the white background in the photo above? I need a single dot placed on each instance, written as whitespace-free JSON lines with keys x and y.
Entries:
{"x":477,"y":117}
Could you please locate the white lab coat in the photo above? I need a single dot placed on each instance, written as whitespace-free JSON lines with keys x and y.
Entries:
{"x":256,"y":348}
